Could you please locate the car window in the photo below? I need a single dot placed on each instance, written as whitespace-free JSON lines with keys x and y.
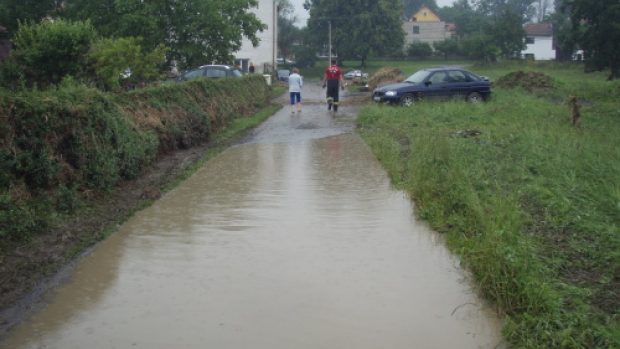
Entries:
{"x":216,"y":72}
{"x":473,"y":77}
{"x":439,"y":77}
{"x":418,"y":77}
{"x":192,"y":74}
{"x":457,"y":76}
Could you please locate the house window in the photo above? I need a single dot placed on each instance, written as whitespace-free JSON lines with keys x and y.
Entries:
{"x":529,"y":40}
{"x":416,"y":29}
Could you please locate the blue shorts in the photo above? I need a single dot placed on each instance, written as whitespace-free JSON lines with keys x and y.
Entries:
{"x":295,"y":97}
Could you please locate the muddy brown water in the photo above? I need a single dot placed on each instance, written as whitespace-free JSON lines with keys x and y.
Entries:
{"x":293,"y":239}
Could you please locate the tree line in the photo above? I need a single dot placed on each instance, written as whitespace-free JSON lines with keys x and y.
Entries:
{"x":486,"y":30}
{"x":97,"y":38}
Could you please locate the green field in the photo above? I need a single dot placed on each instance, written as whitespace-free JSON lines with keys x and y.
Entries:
{"x":529,"y":202}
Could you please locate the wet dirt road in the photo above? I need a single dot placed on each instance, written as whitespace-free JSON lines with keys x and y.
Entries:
{"x":293,"y":239}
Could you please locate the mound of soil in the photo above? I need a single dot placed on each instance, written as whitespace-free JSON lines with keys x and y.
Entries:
{"x":529,"y":81}
{"x":385,"y":76}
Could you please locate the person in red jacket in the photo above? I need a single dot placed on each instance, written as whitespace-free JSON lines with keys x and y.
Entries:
{"x":332,"y":79}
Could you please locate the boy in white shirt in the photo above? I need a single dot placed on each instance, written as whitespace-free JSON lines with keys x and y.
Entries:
{"x":295,"y":82}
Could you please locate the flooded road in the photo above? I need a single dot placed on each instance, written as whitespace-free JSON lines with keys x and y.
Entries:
{"x":294,"y":239}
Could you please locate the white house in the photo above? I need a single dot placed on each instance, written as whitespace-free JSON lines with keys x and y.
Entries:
{"x":539,"y":40}
{"x":264,"y":55}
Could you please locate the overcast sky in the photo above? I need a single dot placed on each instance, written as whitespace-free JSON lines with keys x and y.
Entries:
{"x":303,"y":15}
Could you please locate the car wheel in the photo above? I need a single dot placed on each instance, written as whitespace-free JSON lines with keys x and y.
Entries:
{"x":474,"y":97}
{"x":407,"y":100}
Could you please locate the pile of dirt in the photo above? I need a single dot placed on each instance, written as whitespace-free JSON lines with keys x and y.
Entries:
{"x":385,"y":76}
{"x":529,"y":81}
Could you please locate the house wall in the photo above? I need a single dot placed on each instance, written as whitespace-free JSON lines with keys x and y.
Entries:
{"x":429,"y":32}
{"x":263,"y":56}
{"x":542,"y":48}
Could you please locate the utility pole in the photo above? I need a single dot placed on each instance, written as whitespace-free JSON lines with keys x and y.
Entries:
{"x":330,"y":43}
{"x":274,"y":51}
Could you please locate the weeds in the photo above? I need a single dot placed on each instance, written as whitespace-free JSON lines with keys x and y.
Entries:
{"x":530,"y":203}
{"x":65,"y":141}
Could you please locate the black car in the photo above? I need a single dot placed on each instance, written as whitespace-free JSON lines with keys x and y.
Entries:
{"x":436,"y":83}
{"x":211,"y":71}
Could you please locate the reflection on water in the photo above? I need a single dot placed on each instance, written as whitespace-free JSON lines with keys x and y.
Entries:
{"x":300,"y":245}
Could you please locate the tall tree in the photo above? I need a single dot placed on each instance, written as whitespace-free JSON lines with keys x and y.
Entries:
{"x":196,"y":31}
{"x":600,"y":33}
{"x":505,"y":19}
{"x":461,"y":13}
{"x":542,"y":9}
{"x":14,"y":11}
{"x":288,"y":33}
{"x":359,"y":27}
{"x":564,"y":32}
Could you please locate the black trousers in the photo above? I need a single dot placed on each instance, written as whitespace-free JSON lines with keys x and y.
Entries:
{"x":333,"y":93}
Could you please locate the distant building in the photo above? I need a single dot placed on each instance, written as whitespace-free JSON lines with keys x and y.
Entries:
{"x":539,"y":41}
{"x":426,"y":26}
{"x":264,"y":55}
{"x":5,"y":43}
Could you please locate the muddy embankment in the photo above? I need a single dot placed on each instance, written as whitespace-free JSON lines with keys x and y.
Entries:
{"x":75,"y":161}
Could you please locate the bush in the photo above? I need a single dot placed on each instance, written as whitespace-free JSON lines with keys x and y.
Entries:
{"x":480,"y":47}
{"x":447,"y":47}
{"x":122,"y":60}
{"x":11,"y":75}
{"x":59,"y":142}
{"x":420,"y":50}
{"x":50,"y":50}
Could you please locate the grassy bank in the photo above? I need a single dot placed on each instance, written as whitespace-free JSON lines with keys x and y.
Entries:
{"x":102,"y":157}
{"x":530,"y":203}
{"x":60,"y":144}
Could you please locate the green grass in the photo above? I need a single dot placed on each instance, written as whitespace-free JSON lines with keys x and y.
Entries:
{"x":59,"y":143}
{"x":531,"y":205}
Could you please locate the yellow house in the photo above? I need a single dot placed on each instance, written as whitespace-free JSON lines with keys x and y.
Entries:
{"x":426,"y":26}
{"x":425,"y":14}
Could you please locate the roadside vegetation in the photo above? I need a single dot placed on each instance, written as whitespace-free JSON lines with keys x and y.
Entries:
{"x":76,"y":161}
{"x":528,"y":197}
{"x":59,"y":143}
{"x":84,"y":119}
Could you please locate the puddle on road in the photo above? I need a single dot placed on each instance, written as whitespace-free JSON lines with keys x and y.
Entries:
{"x":285,"y":245}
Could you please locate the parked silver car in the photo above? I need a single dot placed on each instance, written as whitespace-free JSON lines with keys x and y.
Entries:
{"x":355,"y":74}
{"x":211,"y":71}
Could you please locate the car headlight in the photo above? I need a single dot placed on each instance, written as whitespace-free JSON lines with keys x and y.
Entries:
{"x":390,"y":93}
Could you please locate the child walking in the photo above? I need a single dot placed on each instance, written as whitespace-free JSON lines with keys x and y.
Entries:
{"x":295,"y":82}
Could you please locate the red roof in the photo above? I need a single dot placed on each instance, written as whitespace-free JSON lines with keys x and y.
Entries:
{"x":539,"y":29}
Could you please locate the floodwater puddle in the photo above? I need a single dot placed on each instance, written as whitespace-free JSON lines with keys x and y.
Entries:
{"x":295,"y":239}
